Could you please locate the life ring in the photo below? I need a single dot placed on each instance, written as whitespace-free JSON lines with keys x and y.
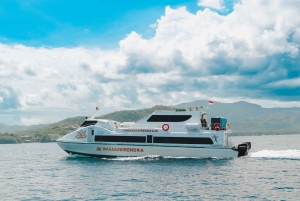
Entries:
{"x":227,"y":126}
{"x":216,"y":127}
{"x":165,"y":127}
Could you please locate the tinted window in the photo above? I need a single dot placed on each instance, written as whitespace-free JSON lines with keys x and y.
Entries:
{"x":182,"y":140}
{"x":169,"y":118}
{"x":149,"y":138}
{"x":108,"y":138}
{"x":88,"y":123}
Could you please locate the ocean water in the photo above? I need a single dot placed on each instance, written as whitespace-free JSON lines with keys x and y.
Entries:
{"x":38,"y":171}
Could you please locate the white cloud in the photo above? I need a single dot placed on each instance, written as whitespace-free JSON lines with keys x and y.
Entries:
{"x":32,"y":100}
{"x":153,"y":26}
{"x":285,"y":83}
{"x":215,"y":4}
{"x":245,"y":55}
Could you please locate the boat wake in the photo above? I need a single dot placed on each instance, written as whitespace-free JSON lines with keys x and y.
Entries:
{"x":288,"y":154}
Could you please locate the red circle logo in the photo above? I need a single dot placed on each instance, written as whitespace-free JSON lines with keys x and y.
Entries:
{"x":165,"y":127}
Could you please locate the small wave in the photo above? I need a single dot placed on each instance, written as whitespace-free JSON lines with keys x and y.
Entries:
{"x":179,"y":157}
{"x":77,"y":156}
{"x":292,"y":153}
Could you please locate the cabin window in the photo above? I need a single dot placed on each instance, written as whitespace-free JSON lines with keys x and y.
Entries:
{"x":182,"y":140}
{"x":149,"y":138}
{"x":109,"y":138}
{"x":88,"y":123}
{"x":106,"y":125}
{"x":169,"y":118}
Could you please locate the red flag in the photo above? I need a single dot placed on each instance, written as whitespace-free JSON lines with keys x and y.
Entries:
{"x":211,"y":102}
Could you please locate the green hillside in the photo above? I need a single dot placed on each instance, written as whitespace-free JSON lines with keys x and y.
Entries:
{"x":62,"y":127}
{"x":47,"y":133}
{"x":14,"y":129}
{"x":133,"y":115}
{"x":7,"y":138}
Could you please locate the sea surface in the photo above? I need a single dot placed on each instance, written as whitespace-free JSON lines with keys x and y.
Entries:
{"x":37,"y":171}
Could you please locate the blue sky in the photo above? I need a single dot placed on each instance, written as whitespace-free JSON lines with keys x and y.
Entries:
{"x":70,"y":23}
{"x":60,"y":59}
{"x":73,"y":23}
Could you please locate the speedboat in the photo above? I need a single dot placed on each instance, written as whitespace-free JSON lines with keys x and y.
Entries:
{"x":177,"y":133}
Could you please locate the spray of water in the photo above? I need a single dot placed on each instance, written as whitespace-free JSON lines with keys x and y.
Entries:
{"x":292,"y":154}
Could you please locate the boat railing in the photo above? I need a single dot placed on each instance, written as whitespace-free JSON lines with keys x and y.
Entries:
{"x":141,"y":126}
{"x":165,"y":110}
{"x":160,"y":127}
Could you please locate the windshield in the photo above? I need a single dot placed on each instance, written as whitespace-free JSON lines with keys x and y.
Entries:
{"x":88,"y":123}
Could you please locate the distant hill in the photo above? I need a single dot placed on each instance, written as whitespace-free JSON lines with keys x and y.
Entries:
{"x":14,"y":129}
{"x":235,"y":111}
{"x":133,"y":115}
{"x":283,"y":122}
{"x":244,"y":118}
{"x":62,"y":127}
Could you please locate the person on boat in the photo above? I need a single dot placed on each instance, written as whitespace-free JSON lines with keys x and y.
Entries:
{"x":203,"y":121}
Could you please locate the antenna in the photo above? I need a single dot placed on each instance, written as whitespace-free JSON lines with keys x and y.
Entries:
{"x":94,"y":115}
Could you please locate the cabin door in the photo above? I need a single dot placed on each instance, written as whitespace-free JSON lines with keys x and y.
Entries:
{"x":91,"y":135}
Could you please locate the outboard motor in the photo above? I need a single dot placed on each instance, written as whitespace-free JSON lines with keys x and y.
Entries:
{"x":244,"y":148}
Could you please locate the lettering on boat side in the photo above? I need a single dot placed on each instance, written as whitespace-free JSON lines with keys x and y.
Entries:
{"x":141,"y":130}
{"x":81,"y":134}
{"x":120,"y":149}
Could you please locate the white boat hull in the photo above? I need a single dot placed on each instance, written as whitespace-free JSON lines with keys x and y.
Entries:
{"x":162,"y":133}
{"x":128,"y":150}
